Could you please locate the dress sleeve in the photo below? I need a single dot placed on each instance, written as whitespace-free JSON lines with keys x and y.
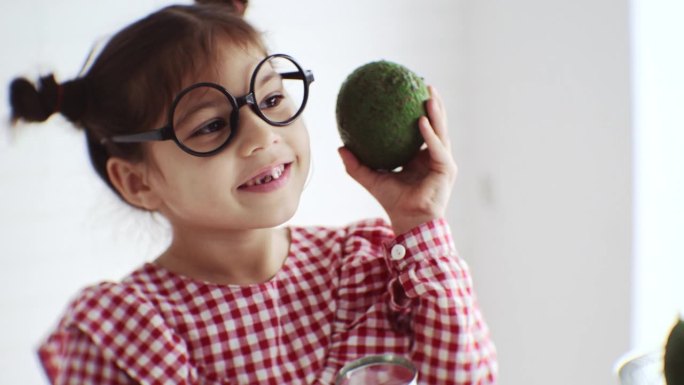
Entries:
{"x":432,"y":285}
{"x":114,"y":328}
{"x":361,"y":326}
{"x":410,"y":295}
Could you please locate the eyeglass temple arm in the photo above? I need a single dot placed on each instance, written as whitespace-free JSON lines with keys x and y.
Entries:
{"x":147,"y":136}
{"x":308,"y":75}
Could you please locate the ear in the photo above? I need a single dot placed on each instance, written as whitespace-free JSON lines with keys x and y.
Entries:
{"x":131,"y":181}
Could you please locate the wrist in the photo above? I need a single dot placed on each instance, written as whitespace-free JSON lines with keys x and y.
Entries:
{"x":404,"y":225}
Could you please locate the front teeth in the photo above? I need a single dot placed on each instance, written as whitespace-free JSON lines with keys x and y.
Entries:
{"x":276,"y":173}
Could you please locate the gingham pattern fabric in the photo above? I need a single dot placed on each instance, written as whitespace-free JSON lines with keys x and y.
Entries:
{"x":341,"y":294}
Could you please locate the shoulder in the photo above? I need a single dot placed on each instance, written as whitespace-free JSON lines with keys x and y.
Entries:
{"x":103,"y":306}
{"x":102,"y":295}
{"x":110,"y":307}
{"x":124,"y":325}
{"x":131,"y":290}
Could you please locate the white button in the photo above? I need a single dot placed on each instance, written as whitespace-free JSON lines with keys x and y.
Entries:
{"x":398,"y":252}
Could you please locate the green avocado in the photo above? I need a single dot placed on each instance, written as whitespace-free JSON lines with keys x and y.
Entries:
{"x":377,"y":113}
{"x":674,"y":355}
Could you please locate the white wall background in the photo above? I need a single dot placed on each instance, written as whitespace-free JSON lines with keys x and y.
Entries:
{"x":539,"y":101}
{"x":659,"y":170}
{"x":545,"y":203}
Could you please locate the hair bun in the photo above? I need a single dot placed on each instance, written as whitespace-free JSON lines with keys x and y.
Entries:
{"x":31,"y":104}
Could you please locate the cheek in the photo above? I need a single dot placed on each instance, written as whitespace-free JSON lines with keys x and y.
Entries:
{"x":172,"y":171}
{"x":303,"y":148}
{"x":195,"y":192}
{"x":303,"y":142}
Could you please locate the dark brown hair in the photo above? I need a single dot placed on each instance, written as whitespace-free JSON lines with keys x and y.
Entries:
{"x":131,"y":84}
{"x":237,"y":6}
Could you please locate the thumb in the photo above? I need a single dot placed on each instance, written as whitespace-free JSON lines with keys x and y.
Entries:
{"x":359,"y":172}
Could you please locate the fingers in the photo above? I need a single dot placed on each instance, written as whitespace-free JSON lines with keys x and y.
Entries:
{"x":434,"y":128}
{"x":437,"y":115}
{"x":436,"y":96}
{"x":362,"y":174}
{"x":439,"y":152}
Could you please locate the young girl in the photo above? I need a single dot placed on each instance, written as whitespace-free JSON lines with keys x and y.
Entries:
{"x":187,"y":114}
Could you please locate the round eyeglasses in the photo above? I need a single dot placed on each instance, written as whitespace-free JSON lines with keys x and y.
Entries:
{"x":203,"y":118}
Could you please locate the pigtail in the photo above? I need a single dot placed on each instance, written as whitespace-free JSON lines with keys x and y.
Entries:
{"x":73,"y":100}
{"x":37,"y":104}
{"x":34,"y":104}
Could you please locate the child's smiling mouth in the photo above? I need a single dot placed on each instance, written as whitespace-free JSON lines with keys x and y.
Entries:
{"x":269,"y":179}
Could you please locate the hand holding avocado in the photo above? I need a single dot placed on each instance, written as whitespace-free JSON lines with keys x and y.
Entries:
{"x":421,"y":190}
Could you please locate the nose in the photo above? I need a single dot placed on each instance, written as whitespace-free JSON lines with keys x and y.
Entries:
{"x":254,"y":133}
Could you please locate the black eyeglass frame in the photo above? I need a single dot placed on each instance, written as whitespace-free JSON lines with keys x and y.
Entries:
{"x":167,"y":132}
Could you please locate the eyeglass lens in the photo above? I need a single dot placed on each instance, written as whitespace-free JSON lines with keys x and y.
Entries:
{"x":279,"y":89}
{"x":201,"y":119}
{"x":202,"y":116}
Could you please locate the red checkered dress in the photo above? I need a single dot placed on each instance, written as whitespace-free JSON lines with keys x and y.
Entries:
{"x":342,"y":293}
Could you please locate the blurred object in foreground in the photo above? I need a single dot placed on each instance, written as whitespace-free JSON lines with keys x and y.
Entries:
{"x":385,"y":369}
{"x":644,"y":369}
{"x":674,"y":355}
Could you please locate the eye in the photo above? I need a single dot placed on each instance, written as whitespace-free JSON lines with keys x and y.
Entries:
{"x":271,"y":101}
{"x":211,"y":127}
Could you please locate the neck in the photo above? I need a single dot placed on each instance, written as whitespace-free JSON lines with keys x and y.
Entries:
{"x":227,"y":257}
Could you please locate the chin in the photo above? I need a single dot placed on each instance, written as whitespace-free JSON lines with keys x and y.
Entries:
{"x":270,"y":217}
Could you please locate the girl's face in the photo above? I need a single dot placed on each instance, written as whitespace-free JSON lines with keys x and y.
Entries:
{"x":255,"y":182}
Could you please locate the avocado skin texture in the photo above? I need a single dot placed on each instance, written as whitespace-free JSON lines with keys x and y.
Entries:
{"x":674,"y":355}
{"x":377,"y":113}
